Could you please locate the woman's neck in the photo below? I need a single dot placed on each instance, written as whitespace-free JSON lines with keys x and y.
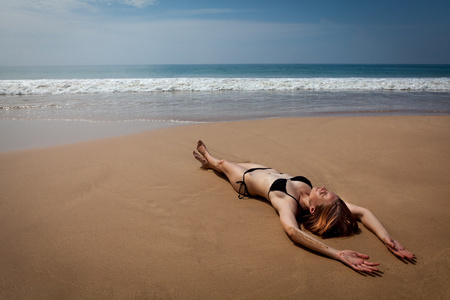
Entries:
{"x":304,"y":201}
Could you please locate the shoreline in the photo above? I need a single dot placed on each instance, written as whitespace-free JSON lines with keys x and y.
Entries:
{"x":34,"y":134}
{"x":135,"y":217}
{"x":19,"y":135}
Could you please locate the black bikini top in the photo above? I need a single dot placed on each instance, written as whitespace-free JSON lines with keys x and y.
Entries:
{"x":277,"y":185}
{"x":280,"y":185}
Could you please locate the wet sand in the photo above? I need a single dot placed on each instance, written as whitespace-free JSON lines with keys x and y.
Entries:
{"x":22,"y":134}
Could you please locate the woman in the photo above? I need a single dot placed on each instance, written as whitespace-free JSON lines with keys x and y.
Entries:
{"x":325,"y":214}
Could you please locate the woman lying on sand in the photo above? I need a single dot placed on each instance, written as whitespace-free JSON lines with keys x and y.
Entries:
{"x":324,"y":213}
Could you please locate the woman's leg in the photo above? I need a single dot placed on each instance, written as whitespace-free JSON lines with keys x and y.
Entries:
{"x":251,"y":166}
{"x":233,"y":171}
{"x":207,"y":165}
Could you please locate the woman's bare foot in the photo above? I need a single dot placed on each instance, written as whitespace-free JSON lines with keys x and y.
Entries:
{"x":201,"y":147}
{"x":206,"y":159}
{"x":202,"y":160}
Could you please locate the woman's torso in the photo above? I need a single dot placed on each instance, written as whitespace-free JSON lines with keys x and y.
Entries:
{"x":259,"y":183}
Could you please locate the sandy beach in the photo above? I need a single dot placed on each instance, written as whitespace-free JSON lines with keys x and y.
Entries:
{"x":134,"y":217}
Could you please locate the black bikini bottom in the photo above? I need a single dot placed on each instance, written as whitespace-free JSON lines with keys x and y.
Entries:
{"x":243,"y":185}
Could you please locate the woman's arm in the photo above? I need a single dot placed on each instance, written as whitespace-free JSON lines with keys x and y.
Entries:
{"x":373,"y":224}
{"x":355,"y":260}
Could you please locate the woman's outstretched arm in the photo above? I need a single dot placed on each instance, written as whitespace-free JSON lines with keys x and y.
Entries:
{"x":373,"y":224}
{"x":353,"y":259}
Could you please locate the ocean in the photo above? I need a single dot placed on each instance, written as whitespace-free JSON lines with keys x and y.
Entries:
{"x":211,"y":93}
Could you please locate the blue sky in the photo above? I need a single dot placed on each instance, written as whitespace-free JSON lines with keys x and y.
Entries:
{"x":93,"y":32}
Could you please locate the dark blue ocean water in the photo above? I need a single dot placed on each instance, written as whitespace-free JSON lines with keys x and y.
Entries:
{"x":197,"y":93}
{"x":227,"y":71}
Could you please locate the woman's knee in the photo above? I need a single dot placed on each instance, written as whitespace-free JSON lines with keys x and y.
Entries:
{"x":222,"y":164}
{"x":231,"y":169}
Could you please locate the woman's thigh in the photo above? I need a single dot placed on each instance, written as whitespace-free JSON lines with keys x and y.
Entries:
{"x":251,"y":166}
{"x":234,"y":173}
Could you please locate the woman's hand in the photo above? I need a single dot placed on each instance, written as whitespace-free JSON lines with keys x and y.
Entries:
{"x":357,"y":261}
{"x":396,"y":248}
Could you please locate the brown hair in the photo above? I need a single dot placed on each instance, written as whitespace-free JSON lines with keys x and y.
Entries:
{"x":331,"y":220}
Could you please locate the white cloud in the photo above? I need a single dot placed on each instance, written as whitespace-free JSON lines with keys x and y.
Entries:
{"x":65,"y":6}
{"x":207,"y":11}
{"x":44,"y":6}
{"x":135,"y":3}
{"x":138,"y":3}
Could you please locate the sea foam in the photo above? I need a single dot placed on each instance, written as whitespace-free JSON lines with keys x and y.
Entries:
{"x":108,"y":86}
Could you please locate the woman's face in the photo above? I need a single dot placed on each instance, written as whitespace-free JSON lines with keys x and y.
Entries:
{"x":320,"y":195}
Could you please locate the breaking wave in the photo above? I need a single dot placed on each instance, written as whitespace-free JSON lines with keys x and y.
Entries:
{"x":108,"y":86}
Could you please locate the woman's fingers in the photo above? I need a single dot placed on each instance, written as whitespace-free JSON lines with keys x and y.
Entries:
{"x":396,"y":248}
{"x":407,"y":254}
{"x":366,"y":268}
{"x":402,"y":253}
{"x":371,"y":263}
{"x":358,"y":261}
{"x":363,"y":256}
{"x":364,"y":265}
